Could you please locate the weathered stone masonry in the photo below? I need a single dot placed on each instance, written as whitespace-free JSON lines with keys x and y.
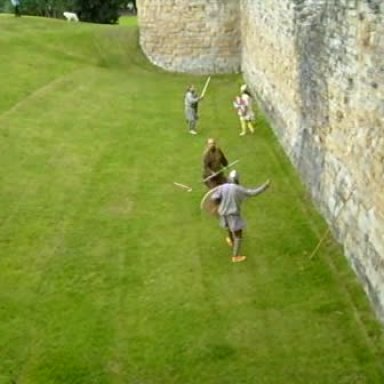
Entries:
{"x":198,"y":36}
{"x":317,"y":68}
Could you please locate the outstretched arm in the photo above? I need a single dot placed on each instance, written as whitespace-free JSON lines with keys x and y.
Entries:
{"x":258,"y":190}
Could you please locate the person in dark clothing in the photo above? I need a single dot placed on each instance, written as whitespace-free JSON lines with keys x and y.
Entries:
{"x":16,"y":6}
{"x":134,"y":6}
{"x":214,"y":161}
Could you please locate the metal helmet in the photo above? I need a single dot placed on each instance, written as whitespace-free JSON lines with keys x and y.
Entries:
{"x":234,"y":177}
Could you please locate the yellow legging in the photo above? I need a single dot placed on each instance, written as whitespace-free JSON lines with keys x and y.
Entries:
{"x":246,"y":124}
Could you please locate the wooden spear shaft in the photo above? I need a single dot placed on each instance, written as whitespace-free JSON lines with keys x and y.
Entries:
{"x":221,"y":170}
{"x":205,"y":86}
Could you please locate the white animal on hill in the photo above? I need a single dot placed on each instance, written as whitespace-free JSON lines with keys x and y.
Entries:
{"x":70,"y":16}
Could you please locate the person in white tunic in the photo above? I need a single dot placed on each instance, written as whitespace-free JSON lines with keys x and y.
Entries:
{"x":244,"y":108}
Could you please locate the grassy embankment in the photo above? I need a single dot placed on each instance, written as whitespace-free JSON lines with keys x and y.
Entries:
{"x":110,"y":274}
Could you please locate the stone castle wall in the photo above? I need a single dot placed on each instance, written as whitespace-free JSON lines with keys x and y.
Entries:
{"x":317,"y":68}
{"x":195,"y":36}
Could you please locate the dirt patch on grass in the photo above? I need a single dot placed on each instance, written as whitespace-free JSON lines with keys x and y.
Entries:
{"x":122,"y":207}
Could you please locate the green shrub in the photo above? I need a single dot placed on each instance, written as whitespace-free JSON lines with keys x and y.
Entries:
{"x":99,"y":11}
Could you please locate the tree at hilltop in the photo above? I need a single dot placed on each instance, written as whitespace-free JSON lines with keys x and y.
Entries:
{"x":48,"y":8}
{"x":99,"y":11}
{"x":93,"y":11}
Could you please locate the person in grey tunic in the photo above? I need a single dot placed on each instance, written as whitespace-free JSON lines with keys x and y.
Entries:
{"x":191,"y":105}
{"x":229,"y":197}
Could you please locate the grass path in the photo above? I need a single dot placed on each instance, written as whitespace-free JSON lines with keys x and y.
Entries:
{"x":110,"y":274}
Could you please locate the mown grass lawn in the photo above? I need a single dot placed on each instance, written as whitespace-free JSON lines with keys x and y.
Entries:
{"x":110,"y":274}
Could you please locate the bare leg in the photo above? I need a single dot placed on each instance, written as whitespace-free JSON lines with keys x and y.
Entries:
{"x":237,"y":237}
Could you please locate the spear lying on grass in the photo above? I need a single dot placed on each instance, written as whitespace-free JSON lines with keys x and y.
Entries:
{"x":183,"y":186}
{"x":189,"y":189}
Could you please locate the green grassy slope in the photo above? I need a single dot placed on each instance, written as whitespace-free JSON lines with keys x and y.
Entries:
{"x":110,"y":274}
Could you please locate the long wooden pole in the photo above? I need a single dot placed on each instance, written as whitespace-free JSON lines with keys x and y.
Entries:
{"x":205,"y":86}
{"x":221,"y":170}
{"x":183,"y":186}
{"x":326,"y":233}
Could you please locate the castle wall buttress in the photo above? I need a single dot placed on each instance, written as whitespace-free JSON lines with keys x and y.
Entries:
{"x":317,"y":69}
{"x":194,"y":36}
